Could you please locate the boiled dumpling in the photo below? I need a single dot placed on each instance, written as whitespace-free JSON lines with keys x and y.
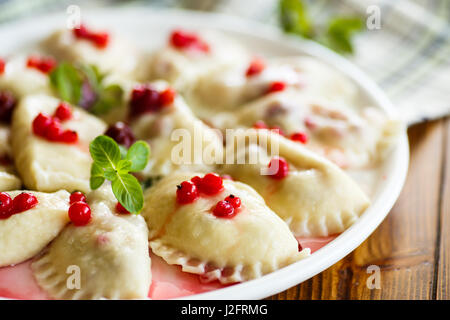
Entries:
{"x":183,"y":66}
{"x":111,"y":254}
{"x":118,"y":56}
{"x":178,"y":140}
{"x":21,"y":80}
{"x":315,"y":198}
{"x":252,"y":243}
{"x":352,"y":138}
{"x":49,"y":166}
{"x":25,"y":234}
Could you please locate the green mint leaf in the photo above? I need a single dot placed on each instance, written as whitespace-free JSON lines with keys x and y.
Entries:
{"x":138,"y":154}
{"x":128,"y":192}
{"x":92,"y":75}
{"x":67,"y":82}
{"x":110,"y":174}
{"x":109,"y":98}
{"x":97,"y":177}
{"x":123,"y":151}
{"x":105,"y":152}
{"x":340,"y":31}
{"x":294,"y":18}
{"x":124,"y":166}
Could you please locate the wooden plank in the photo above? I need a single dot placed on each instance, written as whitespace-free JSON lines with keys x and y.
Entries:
{"x":443,"y":273}
{"x":404,"y":244}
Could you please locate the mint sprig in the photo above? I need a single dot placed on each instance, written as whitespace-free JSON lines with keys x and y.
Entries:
{"x":83,"y":85}
{"x":113,"y":164}
{"x":336,"y":33}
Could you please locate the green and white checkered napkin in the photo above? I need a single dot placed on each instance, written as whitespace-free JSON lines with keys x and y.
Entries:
{"x":409,"y":56}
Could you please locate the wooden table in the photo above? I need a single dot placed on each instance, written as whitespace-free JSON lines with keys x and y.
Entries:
{"x":412,"y":245}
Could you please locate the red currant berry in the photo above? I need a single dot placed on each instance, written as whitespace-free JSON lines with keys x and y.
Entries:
{"x":2,"y":66}
{"x":41,"y":124}
{"x":167,"y":97}
{"x":299,"y":137}
{"x":185,"y":40}
{"x":7,"y":104}
{"x":63,"y":112}
{"x":24,"y":201}
{"x":45,"y":65}
{"x":144,"y":99}
{"x":100,"y":39}
{"x":121,"y":209}
{"x":6,"y":206}
{"x":211,"y":184}
{"x":276,"y":86}
{"x":80,"y":213}
{"x":197,"y":181}
{"x":77,"y":197}
{"x":54,"y":131}
{"x":255,"y":67}
{"x":186,"y":192}
{"x":224,"y":209}
{"x":280,"y":166}
{"x":234,"y":201}
{"x":68,"y":136}
{"x":121,"y":133}
{"x":81,"y":32}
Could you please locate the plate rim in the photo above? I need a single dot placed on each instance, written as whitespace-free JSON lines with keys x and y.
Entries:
{"x":351,"y":238}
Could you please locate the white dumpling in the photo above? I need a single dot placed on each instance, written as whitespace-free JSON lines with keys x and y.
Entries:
{"x":183,"y":67}
{"x":25,"y":234}
{"x":350,"y":137}
{"x":8,"y":178}
{"x":119,"y":56}
{"x":111,"y":253}
{"x":230,"y":87}
{"x":315,"y":199}
{"x":252,"y":243}
{"x":178,"y":140}
{"x":49,"y":166}
{"x":21,"y":80}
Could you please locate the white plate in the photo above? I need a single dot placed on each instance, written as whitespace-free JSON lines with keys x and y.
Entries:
{"x":149,"y":27}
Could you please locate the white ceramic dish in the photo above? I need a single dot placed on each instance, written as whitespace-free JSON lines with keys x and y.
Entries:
{"x":149,"y":28}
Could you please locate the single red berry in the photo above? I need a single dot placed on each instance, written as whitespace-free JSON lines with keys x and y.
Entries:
{"x":41,"y":124}
{"x":167,"y":97}
{"x":197,"y":181}
{"x":211,"y":184}
{"x":80,"y":213}
{"x":2,"y":65}
{"x":43,"y":64}
{"x":186,"y":192}
{"x":186,"y":40}
{"x":121,"y":209}
{"x":63,"y":112}
{"x":224,"y":209}
{"x":234,"y":201}
{"x":144,"y":98}
{"x":100,"y":39}
{"x":255,"y":67}
{"x":54,"y":131}
{"x":68,"y":136}
{"x":24,"y":201}
{"x":278,"y":167}
{"x":6,"y":206}
{"x":7,"y":104}
{"x":260,"y":125}
{"x":121,"y":133}
{"x":276,"y":86}
{"x":77,"y":197}
{"x":299,"y":137}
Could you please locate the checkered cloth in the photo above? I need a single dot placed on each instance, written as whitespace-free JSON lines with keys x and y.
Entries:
{"x":409,"y":56}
